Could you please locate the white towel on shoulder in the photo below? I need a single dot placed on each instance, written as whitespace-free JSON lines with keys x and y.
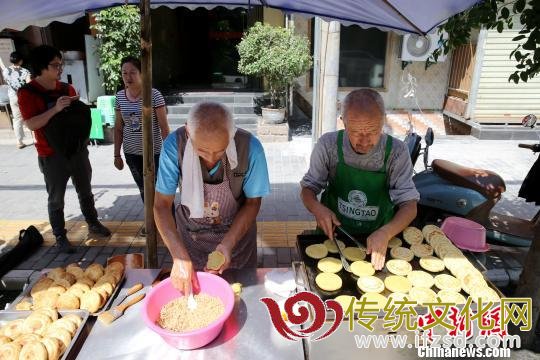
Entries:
{"x":192,"y":188}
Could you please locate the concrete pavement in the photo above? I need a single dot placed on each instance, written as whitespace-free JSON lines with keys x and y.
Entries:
{"x":22,"y":191}
{"x":282,"y":216}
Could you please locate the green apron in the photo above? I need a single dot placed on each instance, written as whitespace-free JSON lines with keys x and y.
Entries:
{"x":359,"y":198}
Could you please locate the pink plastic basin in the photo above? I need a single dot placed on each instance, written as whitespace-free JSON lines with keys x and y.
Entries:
{"x":164,"y":292}
{"x":465,"y":234}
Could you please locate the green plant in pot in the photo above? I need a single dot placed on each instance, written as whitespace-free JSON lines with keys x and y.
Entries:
{"x":277,"y":55}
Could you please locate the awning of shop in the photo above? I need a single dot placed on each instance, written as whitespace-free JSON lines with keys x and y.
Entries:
{"x":415,"y":16}
{"x":419,"y":16}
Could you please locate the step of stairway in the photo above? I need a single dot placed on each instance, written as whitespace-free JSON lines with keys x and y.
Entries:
{"x":221,"y":97}
{"x":252,"y":128}
{"x":180,"y":119}
{"x":235,"y":108}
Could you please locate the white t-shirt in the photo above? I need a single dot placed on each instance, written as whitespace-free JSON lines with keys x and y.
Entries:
{"x":15,"y":77}
{"x":132,"y":118}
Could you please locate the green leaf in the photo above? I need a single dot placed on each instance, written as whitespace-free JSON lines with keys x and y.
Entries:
{"x":505,"y":13}
{"x":500,"y":27}
{"x":530,"y":44}
{"x":523,"y":76}
{"x":519,"y":6}
{"x":519,"y":37}
{"x":119,"y":33}
{"x":436,"y":55}
{"x":276,"y":54}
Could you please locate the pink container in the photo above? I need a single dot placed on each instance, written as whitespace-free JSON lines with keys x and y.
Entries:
{"x":164,"y":292}
{"x":465,"y":234}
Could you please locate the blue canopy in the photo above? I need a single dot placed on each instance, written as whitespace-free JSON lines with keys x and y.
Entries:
{"x":416,"y":16}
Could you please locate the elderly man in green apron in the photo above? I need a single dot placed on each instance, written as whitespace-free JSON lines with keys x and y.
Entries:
{"x":365,"y":176}
{"x":221,"y":174}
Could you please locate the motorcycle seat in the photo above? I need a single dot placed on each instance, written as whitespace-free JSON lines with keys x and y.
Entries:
{"x":485,"y":182}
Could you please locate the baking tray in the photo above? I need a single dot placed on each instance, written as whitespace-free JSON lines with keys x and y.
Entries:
{"x":349,"y":280}
{"x":25,"y":294}
{"x":76,"y":342}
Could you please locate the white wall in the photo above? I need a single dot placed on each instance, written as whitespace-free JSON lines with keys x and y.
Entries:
{"x":497,"y":99}
{"x":431,"y":83}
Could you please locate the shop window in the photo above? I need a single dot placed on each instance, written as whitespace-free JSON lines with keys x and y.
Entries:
{"x":362,"y":57}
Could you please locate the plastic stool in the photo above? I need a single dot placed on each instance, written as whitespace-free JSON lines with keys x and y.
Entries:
{"x":96,"y":131}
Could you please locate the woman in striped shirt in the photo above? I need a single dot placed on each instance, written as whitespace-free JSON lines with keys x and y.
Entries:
{"x":128,"y":124}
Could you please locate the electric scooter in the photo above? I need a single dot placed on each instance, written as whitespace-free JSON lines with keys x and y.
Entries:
{"x":449,"y":189}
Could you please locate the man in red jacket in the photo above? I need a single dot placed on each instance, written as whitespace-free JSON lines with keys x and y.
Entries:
{"x":57,"y":169}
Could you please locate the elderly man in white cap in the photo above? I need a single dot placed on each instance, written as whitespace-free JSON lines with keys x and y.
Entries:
{"x":222,"y":175}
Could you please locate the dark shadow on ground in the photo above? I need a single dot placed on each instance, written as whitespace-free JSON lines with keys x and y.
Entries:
{"x":516,"y":207}
{"x":68,"y":187}
{"x":124,"y":208}
{"x":455,"y":127}
{"x":283,"y":204}
{"x":299,"y":123}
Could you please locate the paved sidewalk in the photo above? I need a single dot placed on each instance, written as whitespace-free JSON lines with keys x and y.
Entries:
{"x":282,"y":216}
{"x":22,"y":191}
{"x":24,"y":199}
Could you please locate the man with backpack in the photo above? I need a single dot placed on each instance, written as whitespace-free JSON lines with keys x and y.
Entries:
{"x":61,"y":124}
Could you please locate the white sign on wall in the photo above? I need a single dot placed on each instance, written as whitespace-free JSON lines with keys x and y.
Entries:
{"x":6,"y":48}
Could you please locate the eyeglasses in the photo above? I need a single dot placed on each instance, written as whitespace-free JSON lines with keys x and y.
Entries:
{"x":57,"y":66}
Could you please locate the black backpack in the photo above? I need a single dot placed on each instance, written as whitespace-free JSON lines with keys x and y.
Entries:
{"x":67,"y":132}
{"x":30,"y":240}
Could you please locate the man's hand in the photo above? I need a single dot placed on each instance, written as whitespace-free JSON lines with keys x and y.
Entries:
{"x":118,"y":162}
{"x":62,"y":102}
{"x":184,"y":277}
{"x":377,"y":243}
{"x":227,"y":252}
{"x":326,"y":220}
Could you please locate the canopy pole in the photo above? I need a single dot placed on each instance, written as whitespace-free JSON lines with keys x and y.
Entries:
{"x":289,"y":24}
{"x":315,"y":120}
{"x":148,"y":146}
{"x":325,"y":73}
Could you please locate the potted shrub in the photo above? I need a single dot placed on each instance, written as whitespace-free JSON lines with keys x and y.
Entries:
{"x":277,"y":55}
